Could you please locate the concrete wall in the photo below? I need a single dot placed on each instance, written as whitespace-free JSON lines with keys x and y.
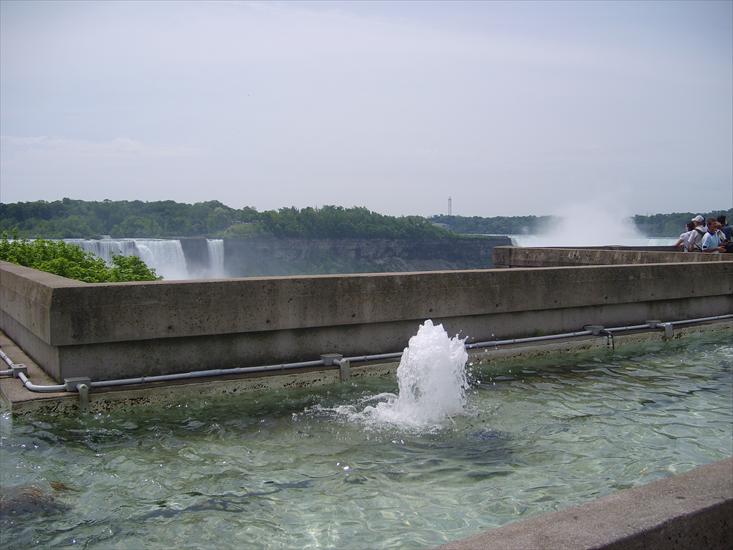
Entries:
{"x":133,"y":329}
{"x":691,"y":511}
{"x":507,"y":256}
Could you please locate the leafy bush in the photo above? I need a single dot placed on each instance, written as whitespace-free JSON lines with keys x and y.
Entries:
{"x":69,"y":260}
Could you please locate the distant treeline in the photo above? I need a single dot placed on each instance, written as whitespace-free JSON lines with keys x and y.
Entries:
{"x":656,"y":225}
{"x":498,"y":225}
{"x":69,"y":218}
{"x":672,"y":225}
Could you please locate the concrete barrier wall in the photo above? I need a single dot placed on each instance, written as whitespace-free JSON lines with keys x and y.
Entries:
{"x":507,"y":256}
{"x":685,"y":512}
{"x":136,"y":329}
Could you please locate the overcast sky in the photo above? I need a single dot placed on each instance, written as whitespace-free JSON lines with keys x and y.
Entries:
{"x":510,"y":108}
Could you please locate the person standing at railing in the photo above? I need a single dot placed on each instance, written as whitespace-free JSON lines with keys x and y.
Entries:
{"x":681,"y":243}
{"x":711,"y":240}
{"x":726,"y":229}
{"x":694,"y":242}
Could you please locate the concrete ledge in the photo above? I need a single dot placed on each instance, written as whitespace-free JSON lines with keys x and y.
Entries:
{"x":689,"y":511}
{"x":109,"y":331}
{"x":509,"y":256}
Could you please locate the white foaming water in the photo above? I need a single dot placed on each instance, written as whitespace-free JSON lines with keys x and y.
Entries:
{"x":106,"y":248}
{"x":432,"y":384}
{"x":164,"y":255}
{"x":215,"y":248}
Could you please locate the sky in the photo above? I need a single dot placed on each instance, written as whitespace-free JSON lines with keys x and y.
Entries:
{"x":509,"y":108}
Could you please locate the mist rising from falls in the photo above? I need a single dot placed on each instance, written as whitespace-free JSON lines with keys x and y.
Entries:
{"x":591,"y":222}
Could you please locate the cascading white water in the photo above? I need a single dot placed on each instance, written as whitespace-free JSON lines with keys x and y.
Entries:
{"x":432,"y":384}
{"x":106,"y":248}
{"x":165,"y":256}
{"x":215,"y":248}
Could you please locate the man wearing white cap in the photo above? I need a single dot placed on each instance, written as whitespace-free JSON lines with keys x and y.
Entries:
{"x":694,"y":241}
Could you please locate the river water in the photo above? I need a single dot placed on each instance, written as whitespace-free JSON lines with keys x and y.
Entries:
{"x":313,"y":469}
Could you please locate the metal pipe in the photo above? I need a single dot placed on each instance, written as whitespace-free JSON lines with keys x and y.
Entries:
{"x":377,"y":357}
{"x":7,"y":359}
{"x":284,"y":366}
{"x":701,"y":319}
{"x":6,"y":373}
{"x":202,"y":374}
{"x":629,"y":327}
{"x":495,"y":343}
{"x":43,"y":389}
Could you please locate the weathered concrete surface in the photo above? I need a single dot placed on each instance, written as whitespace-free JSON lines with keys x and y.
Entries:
{"x":26,"y":298}
{"x":685,"y":512}
{"x":15,"y":396}
{"x":133,"y":329}
{"x":21,"y":401}
{"x":508,"y":256}
{"x":85,"y":314}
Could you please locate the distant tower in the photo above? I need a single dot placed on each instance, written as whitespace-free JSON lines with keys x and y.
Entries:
{"x":450,"y":206}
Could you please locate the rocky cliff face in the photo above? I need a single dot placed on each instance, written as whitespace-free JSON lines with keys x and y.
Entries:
{"x":270,"y":256}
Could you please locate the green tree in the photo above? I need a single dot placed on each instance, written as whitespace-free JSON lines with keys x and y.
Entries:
{"x":69,"y":260}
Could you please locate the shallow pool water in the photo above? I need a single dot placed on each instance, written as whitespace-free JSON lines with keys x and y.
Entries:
{"x":305,"y":470}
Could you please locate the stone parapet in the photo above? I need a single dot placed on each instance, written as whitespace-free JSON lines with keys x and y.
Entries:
{"x":138,"y":329}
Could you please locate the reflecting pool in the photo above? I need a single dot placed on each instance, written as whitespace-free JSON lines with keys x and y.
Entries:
{"x":311,"y":470}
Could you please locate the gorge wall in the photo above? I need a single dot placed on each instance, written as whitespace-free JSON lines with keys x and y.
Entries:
{"x":282,"y":256}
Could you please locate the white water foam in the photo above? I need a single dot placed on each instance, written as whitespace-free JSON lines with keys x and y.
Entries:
{"x":432,"y":384}
{"x":164,"y":255}
{"x":215,"y":248}
{"x":106,"y":248}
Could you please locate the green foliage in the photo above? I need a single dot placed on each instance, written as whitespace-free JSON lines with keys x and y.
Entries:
{"x":672,"y":225}
{"x":69,"y":260}
{"x":241,"y":230}
{"x":69,"y":218}
{"x":130,"y":268}
{"x":167,"y":219}
{"x":498,"y":225}
{"x":336,"y":222}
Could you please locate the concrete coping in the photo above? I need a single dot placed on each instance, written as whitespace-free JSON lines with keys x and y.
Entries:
{"x":688,"y":511}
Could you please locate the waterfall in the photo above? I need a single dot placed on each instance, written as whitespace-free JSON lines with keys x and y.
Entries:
{"x":215,"y":248}
{"x":106,"y":248}
{"x":163,"y":255}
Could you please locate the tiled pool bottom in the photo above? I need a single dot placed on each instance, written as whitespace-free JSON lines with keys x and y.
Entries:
{"x":291,"y":470}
